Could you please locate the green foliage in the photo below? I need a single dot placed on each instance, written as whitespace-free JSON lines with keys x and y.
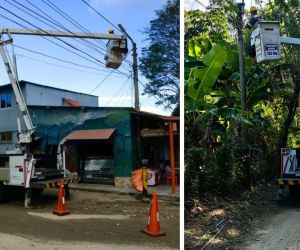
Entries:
{"x":226,"y":149}
{"x":160,"y":59}
{"x":202,"y":79}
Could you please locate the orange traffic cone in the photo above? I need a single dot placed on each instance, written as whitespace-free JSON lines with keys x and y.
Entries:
{"x":153,"y":227}
{"x":61,"y":208}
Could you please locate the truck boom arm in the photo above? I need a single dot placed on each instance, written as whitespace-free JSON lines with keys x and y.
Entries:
{"x":24,"y":137}
{"x":63,"y":34}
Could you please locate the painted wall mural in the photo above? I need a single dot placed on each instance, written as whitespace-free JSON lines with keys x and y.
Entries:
{"x":54,"y":123}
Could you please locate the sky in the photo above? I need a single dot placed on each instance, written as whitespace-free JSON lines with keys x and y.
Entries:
{"x":192,"y":4}
{"x":117,"y":88}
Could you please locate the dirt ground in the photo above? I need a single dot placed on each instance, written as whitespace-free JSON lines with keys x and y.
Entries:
{"x":216,"y":222}
{"x":277,"y":230}
{"x":98,"y":221}
{"x":255,"y":221}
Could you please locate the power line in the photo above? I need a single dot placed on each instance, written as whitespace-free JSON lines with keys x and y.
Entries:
{"x":74,"y":22}
{"x":69,"y":18}
{"x":64,"y":61}
{"x":57,"y":65}
{"x":119,"y":90}
{"x":101,"y":82}
{"x":144,"y":86}
{"x":58,"y":38}
{"x":101,"y":15}
{"x":50,"y":39}
{"x":200,"y":3}
{"x":53,"y":21}
{"x":125,"y":94}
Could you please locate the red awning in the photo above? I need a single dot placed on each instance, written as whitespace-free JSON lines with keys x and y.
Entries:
{"x":95,"y":134}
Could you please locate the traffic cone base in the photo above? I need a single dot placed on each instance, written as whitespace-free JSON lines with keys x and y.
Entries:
{"x":153,"y":226}
{"x":60,"y":213}
{"x":61,"y":208}
{"x":153,"y":234}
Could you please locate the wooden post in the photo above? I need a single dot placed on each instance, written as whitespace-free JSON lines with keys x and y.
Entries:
{"x":172,"y":158}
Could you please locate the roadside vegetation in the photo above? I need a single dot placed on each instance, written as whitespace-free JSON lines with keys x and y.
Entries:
{"x":230,"y":151}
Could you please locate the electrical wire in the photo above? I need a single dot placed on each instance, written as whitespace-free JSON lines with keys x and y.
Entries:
{"x":57,"y":65}
{"x":71,"y":20}
{"x":200,"y":3}
{"x":62,"y":60}
{"x":58,"y":38}
{"x":5,"y":17}
{"x":118,"y":91}
{"x":57,"y":24}
{"x":101,"y":15}
{"x":101,"y":82}
{"x":84,"y":42}
{"x":126,"y":92}
{"x":68,"y":17}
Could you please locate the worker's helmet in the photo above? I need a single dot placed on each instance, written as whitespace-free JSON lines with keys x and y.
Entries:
{"x":253,"y":9}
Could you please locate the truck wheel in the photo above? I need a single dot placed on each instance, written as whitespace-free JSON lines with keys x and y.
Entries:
{"x":36,"y":192}
{"x":4,"y":192}
{"x":294,"y":191}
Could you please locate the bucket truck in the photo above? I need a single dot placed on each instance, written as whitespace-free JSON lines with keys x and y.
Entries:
{"x":21,"y":169}
{"x":268,"y":48}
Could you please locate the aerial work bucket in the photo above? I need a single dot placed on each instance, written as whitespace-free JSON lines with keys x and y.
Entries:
{"x":114,"y":52}
{"x":114,"y":57}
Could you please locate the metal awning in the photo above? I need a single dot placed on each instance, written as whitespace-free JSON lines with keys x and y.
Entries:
{"x":94,"y":134}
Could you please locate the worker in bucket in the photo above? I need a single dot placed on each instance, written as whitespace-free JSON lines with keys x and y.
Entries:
{"x":254,"y":19}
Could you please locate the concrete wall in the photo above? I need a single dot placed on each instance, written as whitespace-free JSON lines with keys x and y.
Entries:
{"x":47,"y":96}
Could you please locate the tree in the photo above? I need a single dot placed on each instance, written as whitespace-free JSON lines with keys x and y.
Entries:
{"x":224,"y":145}
{"x":160,"y":59}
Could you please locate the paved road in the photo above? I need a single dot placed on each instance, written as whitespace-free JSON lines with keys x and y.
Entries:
{"x":99,"y":221}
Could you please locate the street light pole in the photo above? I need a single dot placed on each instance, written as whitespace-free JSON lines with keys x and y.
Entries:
{"x":240,"y":6}
{"x":135,"y":69}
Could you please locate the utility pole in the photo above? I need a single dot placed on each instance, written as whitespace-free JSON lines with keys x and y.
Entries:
{"x":240,"y":5}
{"x":135,"y":69}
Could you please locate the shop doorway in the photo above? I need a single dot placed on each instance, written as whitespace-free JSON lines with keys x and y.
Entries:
{"x":92,"y":157}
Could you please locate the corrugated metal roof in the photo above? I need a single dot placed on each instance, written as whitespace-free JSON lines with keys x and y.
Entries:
{"x":95,"y":134}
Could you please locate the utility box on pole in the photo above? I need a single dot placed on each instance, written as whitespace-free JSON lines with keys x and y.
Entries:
{"x":267,"y":41}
